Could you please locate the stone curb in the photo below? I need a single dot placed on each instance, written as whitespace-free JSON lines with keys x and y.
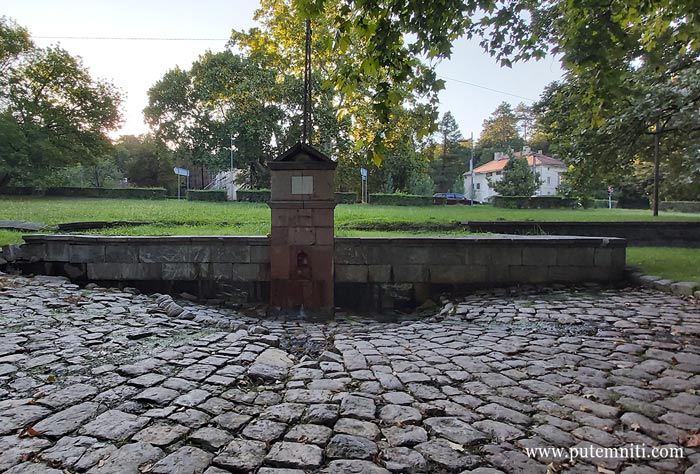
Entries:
{"x":678,"y":288}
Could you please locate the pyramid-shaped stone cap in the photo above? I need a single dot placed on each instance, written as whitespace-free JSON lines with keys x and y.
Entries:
{"x":302,"y":157}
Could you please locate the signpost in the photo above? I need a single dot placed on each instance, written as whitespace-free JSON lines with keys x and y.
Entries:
{"x":182,"y":172}
{"x":365,"y":191}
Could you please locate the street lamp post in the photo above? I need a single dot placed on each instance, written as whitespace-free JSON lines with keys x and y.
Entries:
{"x":231,"y":194}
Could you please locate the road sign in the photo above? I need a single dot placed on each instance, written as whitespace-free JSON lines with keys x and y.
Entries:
{"x":181,"y":171}
{"x":363,"y":172}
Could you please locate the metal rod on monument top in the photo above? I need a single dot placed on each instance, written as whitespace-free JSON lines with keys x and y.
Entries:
{"x":306,"y":132}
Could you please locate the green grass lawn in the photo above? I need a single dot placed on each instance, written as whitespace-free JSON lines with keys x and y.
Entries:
{"x":172,"y":217}
{"x":680,"y":264}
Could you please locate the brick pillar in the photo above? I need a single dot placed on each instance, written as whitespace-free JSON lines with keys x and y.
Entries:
{"x":301,"y":249}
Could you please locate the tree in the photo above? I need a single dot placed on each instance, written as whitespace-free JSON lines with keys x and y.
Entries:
{"x":52,"y":112}
{"x":370,"y":104}
{"x":517,"y":179}
{"x":147,"y":162}
{"x":499,"y":134}
{"x":656,"y":103}
{"x":596,"y":42}
{"x":450,"y":161}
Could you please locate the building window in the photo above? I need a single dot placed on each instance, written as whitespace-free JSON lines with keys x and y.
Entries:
{"x":498,"y":173}
{"x":478,"y":185}
{"x":549,"y":180}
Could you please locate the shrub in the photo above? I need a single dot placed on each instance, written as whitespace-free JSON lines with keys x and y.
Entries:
{"x":346,"y":198}
{"x":400,"y":200}
{"x":206,"y":195}
{"x":20,"y":191}
{"x":534,"y":202}
{"x":253,"y":195}
{"x":680,"y":206}
{"x":112,"y":193}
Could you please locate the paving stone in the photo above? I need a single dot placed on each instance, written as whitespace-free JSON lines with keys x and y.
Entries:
{"x":190,"y":418}
{"x":274,"y":470}
{"x":264,"y":430}
{"x":68,"y":396}
{"x":454,"y":430}
{"x":196,"y":372}
{"x":114,"y":425}
{"x":398,"y":398}
{"x":499,"y":412}
{"x":241,"y":455}
{"x":231,"y":421}
{"x":598,"y":409}
{"x":358,"y":407}
{"x":147,"y":380}
{"x":322,"y":414}
{"x":498,"y":431}
{"x":308,"y":396}
{"x":405,"y":436}
{"x":355,"y":427}
{"x":404,"y":460}
{"x":284,"y":412}
{"x":68,"y":420}
{"x":32,"y":468}
{"x":157,"y":395}
{"x":663,"y":432}
{"x":209,"y":438}
{"x":186,"y":460}
{"x":161,"y":434}
{"x":343,"y":446}
{"x":14,"y":450}
{"x":399,"y":414}
{"x":271,"y":365}
{"x":18,"y":417}
{"x":353,"y":467}
{"x":307,"y":433}
{"x":295,"y":455}
{"x":446,"y":455}
{"x":192,"y":398}
{"x":128,"y":459}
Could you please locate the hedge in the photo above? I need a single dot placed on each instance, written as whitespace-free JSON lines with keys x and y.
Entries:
{"x":206,"y":195}
{"x":253,"y":195}
{"x":680,"y":206}
{"x":263,"y":195}
{"x":534,"y":202}
{"x":113,"y":193}
{"x":346,"y":198}
{"x":19,"y":191}
{"x":400,"y":200}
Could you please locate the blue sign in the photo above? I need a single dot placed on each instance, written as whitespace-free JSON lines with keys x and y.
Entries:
{"x":363,"y":172}
{"x":181,"y":171}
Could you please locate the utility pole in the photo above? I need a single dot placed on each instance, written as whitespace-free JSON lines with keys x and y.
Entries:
{"x":656,"y":170}
{"x":232,"y":180}
{"x":471,"y":168}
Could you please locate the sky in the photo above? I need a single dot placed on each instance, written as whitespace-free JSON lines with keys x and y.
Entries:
{"x":475,"y":84}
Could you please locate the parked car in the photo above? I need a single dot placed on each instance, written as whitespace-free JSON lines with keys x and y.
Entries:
{"x":452,"y":198}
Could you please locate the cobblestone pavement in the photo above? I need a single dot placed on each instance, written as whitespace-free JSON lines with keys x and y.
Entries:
{"x":102,"y":381}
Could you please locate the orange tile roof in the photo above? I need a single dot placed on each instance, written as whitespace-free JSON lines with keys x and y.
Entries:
{"x":498,"y":165}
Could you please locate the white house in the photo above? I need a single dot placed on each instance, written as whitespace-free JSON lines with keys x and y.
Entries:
{"x":550,"y":171}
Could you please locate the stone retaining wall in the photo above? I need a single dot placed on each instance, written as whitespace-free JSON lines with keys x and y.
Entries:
{"x":369,"y":272}
{"x":656,"y":234}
